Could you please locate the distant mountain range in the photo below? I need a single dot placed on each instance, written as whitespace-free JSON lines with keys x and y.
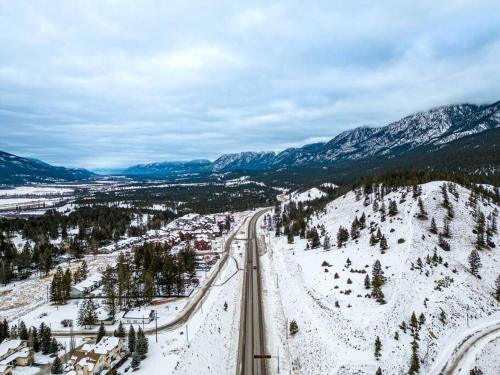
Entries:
{"x":17,"y":170}
{"x":425,"y":131}
{"x":457,"y":137}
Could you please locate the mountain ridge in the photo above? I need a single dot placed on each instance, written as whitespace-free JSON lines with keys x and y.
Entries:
{"x":19,"y":170}
{"x":438,"y":126}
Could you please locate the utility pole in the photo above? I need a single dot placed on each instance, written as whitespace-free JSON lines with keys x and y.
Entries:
{"x":278,"y":359}
{"x":187,"y":333}
{"x":156,"y":325}
{"x":286,"y":329}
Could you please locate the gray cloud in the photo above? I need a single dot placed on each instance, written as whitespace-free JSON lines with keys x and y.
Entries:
{"x":112,"y":83}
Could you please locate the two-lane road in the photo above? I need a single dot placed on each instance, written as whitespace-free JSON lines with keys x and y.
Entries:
{"x":252,"y":338}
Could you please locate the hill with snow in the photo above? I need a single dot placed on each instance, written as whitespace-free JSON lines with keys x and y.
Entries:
{"x":18,"y":170}
{"x":339,"y":318}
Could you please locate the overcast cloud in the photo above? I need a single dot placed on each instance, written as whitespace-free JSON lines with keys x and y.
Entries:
{"x":112,"y":83}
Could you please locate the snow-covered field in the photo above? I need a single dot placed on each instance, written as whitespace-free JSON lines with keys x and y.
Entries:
{"x":338,"y":322}
{"x":36,"y":190}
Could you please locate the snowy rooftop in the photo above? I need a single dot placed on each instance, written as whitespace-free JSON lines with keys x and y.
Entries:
{"x":8,"y":345}
{"x":106,"y":345}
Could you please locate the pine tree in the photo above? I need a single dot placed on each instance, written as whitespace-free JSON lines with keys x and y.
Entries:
{"x":57,"y":367}
{"x":362,"y":221}
{"x":34,"y":340}
{"x":383,"y":244}
{"x":396,"y":335}
{"x":327,"y":244}
{"x":379,"y":371}
{"x":45,"y":338}
{"x":149,"y":287}
{"x":474,"y":262}
{"x":476,"y":371}
{"x":373,"y":240}
{"x":497,"y":288}
{"x":415,"y":361}
{"x":315,"y":239}
{"x":131,"y":339}
{"x":377,"y":282}
{"x":442,"y":317}
{"x":56,"y":294}
{"x":84,"y":270}
{"x":294,"y":328}
{"x":393,"y":208}
{"x":479,"y":228}
{"x":421,"y":319}
{"x":414,"y":324}
{"x":367,"y":282}
{"x":120,"y":331}
{"x":289,"y":237}
{"x":136,"y":361}
{"x":378,"y":348}
{"x":54,"y":346}
{"x":422,"y":214}
{"x":141,"y":344}
{"x":342,"y":236}
{"x":87,"y":314}
{"x":101,"y":332}
{"x":355,"y":228}
{"x":446,"y":228}
{"x":23,"y":331}
{"x":66,"y":286}
{"x":433,"y":227}
{"x":108,"y":285}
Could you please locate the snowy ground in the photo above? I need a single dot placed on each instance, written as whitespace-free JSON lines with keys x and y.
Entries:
{"x":486,"y":357}
{"x":24,"y":297}
{"x":340,"y":340}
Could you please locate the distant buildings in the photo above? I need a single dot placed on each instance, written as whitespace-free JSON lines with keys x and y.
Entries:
{"x":86,"y":286}
{"x":91,"y":359}
{"x":138,"y":316}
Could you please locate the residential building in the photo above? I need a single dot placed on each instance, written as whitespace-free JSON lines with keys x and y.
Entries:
{"x":15,"y":353}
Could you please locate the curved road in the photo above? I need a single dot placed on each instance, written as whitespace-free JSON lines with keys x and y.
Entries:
{"x":452,"y":367}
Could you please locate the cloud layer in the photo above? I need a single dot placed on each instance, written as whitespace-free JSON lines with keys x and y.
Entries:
{"x":112,"y":83}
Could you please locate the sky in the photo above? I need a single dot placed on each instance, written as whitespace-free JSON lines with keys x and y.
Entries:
{"x":107,"y":83}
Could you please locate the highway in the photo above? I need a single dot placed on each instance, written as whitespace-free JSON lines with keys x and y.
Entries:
{"x":252,"y":338}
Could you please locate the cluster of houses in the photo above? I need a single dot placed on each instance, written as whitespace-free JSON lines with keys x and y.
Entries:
{"x":100,"y":358}
{"x":14,"y":353}
{"x":198,"y":231}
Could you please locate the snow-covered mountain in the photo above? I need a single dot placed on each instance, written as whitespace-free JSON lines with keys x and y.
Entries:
{"x":423,"y":132}
{"x":18,"y":170}
{"x":243,"y":160}
{"x":326,"y":293}
{"x":435,"y":127}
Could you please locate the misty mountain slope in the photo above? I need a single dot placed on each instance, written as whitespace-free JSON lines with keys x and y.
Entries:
{"x":414,"y":138}
{"x":244,"y":160}
{"x":18,"y":170}
{"x":167,"y":168}
{"x":339,"y":339}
